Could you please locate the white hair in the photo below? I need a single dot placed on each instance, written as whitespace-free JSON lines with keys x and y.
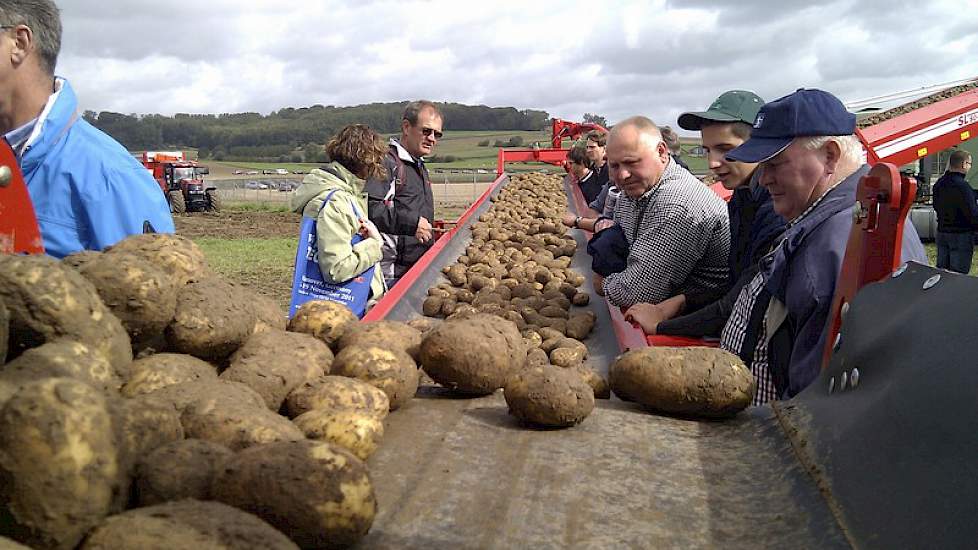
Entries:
{"x":852,"y":150}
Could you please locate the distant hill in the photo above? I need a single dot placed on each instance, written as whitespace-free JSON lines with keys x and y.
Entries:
{"x":291,"y":134}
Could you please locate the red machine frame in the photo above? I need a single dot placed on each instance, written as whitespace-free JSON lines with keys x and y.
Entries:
{"x":556,"y":154}
{"x":19,"y":233}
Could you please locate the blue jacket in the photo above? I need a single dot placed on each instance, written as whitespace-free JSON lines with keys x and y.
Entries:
{"x":88,"y":191}
{"x":802,"y":272}
{"x":954,"y":202}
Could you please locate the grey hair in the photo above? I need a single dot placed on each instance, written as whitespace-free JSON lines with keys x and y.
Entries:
{"x":853,"y":153}
{"x":44,"y":19}
{"x":648,"y":132}
{"x":413,"y":110}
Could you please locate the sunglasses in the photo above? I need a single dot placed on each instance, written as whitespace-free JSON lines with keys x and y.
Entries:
{"x":428,"y":132}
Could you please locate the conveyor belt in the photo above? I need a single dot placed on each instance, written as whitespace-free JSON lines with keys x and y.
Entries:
{"x":888,"y":464}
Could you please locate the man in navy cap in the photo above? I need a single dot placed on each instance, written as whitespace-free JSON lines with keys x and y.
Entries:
{"x":811,"y":164}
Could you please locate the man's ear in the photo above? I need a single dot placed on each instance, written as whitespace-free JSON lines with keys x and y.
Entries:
{"x":663,"y":150}
{"x":405,"y":125}
{"x":833,"y":154}
{"x":23,"y":44}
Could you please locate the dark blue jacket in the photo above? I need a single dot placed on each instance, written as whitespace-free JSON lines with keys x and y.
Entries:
{"x":954,"y":202}
{"x":801,"y":273}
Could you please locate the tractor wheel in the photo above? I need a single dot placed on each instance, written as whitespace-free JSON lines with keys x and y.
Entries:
{"x":177,"y":203}
{"x":213,"y":201}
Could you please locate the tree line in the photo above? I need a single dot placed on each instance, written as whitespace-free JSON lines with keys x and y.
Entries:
{"x":290,"y":134}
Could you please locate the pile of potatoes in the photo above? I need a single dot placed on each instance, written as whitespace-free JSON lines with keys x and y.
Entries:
{"x":513,"y":310}
{"x":147,"y":402}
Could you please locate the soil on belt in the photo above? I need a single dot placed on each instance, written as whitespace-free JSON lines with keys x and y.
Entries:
{"x":916,"y":104}
{"x":238,"y":225}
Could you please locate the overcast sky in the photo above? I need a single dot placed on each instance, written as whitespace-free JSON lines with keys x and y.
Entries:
{"x":657,"y":58}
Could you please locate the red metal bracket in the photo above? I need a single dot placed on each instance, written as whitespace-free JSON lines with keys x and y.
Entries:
{"x":549,"y":156}
{"x":873,"y":251}
{"x":19,"y":233}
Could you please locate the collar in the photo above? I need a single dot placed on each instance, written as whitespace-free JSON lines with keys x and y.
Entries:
{"x":587,"y":177}
{"x":17,"y":138}
{"x":403,"y":154}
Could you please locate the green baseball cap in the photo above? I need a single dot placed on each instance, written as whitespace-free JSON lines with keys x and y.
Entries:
{"x":732,"y":106}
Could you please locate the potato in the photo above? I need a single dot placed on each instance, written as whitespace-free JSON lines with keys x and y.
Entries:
{"x":235,"y":425}
{"x":317,"y":492}
{"x":338,"y":393}
{"x":4,"y":328}
{"x":57,"y":462}
{"x":139,"y":293}
{"x":153,"y":372}
{"x":80,"y":259}
{"x":186,"y":524}
{"x":422,"y":325}
{"x":273,"y":363}
{"x":567,"y":357}
{"x":211,"y":320}
{"x":141,"y":427}
{"x":48,"y":301}
{"x":268,"y":314}
{"x":581,"y":298}
{"x":178,"y":470}
{"x":356,"y":431}
{"x":475,"y":355}
{"x":391,"y":370}
{"x":549,"y":396}
{"x":175,"y":255}
{"x":597,"y":382}
{"x":579,"y":325}
{"x":63,"y":358}
{"x":706,"y":382}
{"x":323,"y":319}
{"x":536,"y":357}
{"x":383,"y":333}
{"x":180,"y":396}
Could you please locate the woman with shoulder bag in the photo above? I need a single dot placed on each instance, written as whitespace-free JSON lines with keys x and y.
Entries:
{"x":339,"y":248}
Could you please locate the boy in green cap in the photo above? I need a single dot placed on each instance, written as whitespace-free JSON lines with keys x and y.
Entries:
{"x":753,"y":223}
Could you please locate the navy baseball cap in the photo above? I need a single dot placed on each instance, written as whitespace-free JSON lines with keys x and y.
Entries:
{"x":803,"y":113}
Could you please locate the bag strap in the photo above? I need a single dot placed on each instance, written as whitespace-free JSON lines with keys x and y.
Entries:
{"x":399,"y":179}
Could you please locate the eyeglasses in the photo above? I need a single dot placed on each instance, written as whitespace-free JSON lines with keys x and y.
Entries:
{"x":428,"y":132}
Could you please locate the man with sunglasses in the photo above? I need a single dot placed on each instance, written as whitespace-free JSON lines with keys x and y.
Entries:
{"x":88,"y":191}
{"x":401,"y":204}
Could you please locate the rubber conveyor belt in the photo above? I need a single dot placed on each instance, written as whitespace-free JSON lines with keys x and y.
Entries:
{"x":461,"y":473}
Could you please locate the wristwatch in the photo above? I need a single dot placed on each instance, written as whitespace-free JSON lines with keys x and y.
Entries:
{"x":577,"y":222}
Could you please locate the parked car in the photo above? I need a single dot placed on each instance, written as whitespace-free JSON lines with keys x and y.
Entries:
{"x":238,"y":172}
{"x":252,"y":172}
{"x":287,"y":186}
{"x":298,"y":171}
{"x":263,"y":186}
{"x":252,"y":185}
{"x":267,"y":171}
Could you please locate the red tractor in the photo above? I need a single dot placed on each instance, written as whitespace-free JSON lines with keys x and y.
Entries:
{"x":182,"y":181}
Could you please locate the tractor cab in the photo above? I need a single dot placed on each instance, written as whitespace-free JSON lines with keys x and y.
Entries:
{"x":182,"y":181}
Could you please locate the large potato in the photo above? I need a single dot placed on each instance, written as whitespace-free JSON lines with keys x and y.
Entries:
{"x":474,"y":355}
{"x":176,"y":255}
{"x":63,"y":358}
{"x":57,"y":462}
{"x":275,"y":362}
{"x":4,"y":328}
{"x":391,"y":370}
{"x":338,"y":393}
{"x":186,"y":524}
{"x":384,"y":334}
{"x":139,"y":293}
{"x":268,"y":314}
{"x":180,"y":396}
{"x":323,"y":319}
{"x":178,"y":470}
{"x":48,"y":301}
{"x":160,"y":370}
{"x":318,"y":493}
{"x":549,"y":396}
{"x":141,"y":427}
{"x":705,"y":382}
{"x":236,"y":425}
{"x":356,"y":431}
{"x":212,"y":320}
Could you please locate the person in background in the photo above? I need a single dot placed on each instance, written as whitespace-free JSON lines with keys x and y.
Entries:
{"x":595,"y":143}
{"x":675,"y":147}
{"x":754,"y":225}
{"x":357,"y":153}
{"x":88,"y":191}
{"x":811,"y":164}
{"x":579,"y":166}
{"x":957,"y":215}
{"x":401,"y":203}
{"x":676,"y":228}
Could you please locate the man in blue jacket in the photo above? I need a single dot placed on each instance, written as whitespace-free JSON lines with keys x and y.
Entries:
{"x":811,"y":165}
{"x":88,"y":191}
{"x":957,"y":215}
